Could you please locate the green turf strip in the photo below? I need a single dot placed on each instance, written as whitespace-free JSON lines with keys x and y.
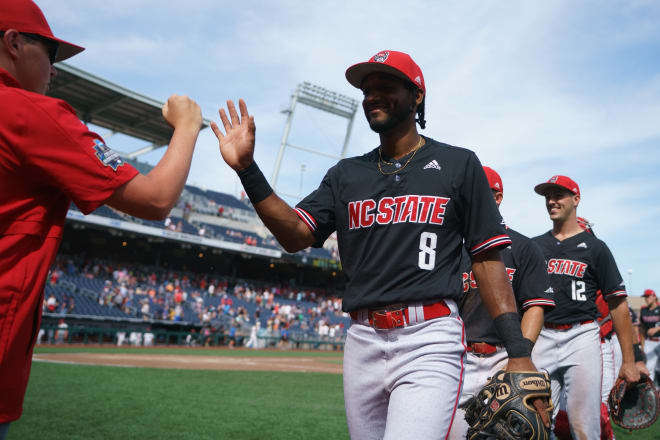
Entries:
{"x":189,"y":351}
{"x":92,"y":402}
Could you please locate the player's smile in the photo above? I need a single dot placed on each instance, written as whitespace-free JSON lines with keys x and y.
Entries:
{"x":386,"y":101}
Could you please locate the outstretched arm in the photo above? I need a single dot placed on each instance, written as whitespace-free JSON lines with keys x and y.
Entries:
{"x":153,"y":195}
{"x":237,"y":149}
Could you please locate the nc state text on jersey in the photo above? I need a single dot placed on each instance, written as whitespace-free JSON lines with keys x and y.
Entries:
{"x":401,"y":209}
{"x":572,"y":268}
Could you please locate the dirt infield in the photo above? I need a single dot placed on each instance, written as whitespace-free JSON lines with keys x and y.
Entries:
{"x":291,"y":364}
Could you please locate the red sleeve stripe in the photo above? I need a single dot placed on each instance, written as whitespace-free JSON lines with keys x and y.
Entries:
{"x":620,"y":292}
{"x":500,"y":240}
{"x":539,"y":302}
{"x":308,"y":219}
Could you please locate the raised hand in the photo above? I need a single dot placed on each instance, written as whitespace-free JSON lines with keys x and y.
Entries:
{"x":181,"y":111}
{"x":237,"y":145}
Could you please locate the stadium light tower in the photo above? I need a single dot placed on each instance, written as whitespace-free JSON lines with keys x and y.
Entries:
{"x":321,"y":99}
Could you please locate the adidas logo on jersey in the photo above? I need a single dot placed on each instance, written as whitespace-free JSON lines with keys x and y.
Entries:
{"x":549,"y":290}
{"x":433,"y":164}
{"x":582,"y":245}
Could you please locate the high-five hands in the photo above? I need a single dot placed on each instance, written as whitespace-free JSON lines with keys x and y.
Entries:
{"x":237,"y":144}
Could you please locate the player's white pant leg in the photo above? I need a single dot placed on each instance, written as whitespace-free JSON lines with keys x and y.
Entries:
{"x":545,"y":358}
{"x":425,"y":377}
{"x":618,"y":357}
{"x":651,"y":349}
{"x":581,"y":361}
{"x":609,"y":368}
{"x":365,"y":395}
{"x":403,"y":383}
{"x":477,"y":371}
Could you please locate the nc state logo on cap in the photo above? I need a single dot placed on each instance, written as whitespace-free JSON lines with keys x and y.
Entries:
{"x":381,"y":57}
{"x":553,"y":179}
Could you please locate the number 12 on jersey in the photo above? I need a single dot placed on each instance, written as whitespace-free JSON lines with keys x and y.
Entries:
{"x":577,"y":291}
{"x":427,"y":244}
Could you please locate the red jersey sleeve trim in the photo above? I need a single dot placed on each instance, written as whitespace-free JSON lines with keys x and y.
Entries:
{"x":306,"y":218}
{"x":497,"y":241}
{"x":538,"y":302}
{"x":620,"y":293}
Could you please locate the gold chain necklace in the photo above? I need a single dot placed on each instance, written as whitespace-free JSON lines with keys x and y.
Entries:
{"x":380,"y":158}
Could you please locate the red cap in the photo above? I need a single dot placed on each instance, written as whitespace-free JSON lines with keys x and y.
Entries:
{"x":26,"y":17}
{"x":494,"y":179}
{"x":649,"y":292}
{"x":562,"y":182}
{"x":387,"y":61}
{"x":585,"y":224}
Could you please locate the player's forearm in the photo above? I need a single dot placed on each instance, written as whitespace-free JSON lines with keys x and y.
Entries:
{"x":170,"y":174}
{"x":153,"y":196}
{"x":622,"y":327}
{"x":532,"y":322}
{"x":284,"y":223}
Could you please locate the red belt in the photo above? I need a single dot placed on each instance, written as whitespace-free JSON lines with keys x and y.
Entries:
{"x":397,"y":316}
{"x":483,"y":348}
{"x":565,"y":326}
{"x":652,"y":338}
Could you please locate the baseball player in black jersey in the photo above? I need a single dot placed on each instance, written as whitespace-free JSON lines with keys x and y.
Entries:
{"x":649,"y":317}
{"x":568,"y":347}
{"x":525,"y":267}
{"x":403,"y":213}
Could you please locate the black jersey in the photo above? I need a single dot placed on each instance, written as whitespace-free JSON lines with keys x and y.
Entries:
{"x":649,"y":318}
{"x":578,"y":267}
{"x":400,"y":236}
{"x":527,"y":272}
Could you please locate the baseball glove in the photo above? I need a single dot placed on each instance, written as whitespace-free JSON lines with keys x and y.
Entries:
{"x":503,"y":408}
{"x":634,"y":405}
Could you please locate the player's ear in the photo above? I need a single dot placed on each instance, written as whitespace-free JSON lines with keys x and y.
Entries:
{"x":419,"y":96}
{"x":11,"y":41}
{"x":498,"y":197}
{"x":576,"y":199}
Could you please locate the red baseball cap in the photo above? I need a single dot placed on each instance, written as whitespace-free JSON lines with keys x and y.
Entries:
{"x":649,"y":292}
{"x":387,"y":61}
{"x":494,"y":179}
{"x":562,"y":182}
{"x":26,"y":17}
{"x":585,"y":224}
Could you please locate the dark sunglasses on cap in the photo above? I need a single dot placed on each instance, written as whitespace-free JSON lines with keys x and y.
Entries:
{"x":51,"y":46}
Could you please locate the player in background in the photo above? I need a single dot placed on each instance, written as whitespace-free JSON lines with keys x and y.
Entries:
{"x":48,"y":158}
{"x":649,"y":317}
{"x":611,"y":360}
{"x":402,"y":213}
{"x":527,"y":273}
{"x":568,"y":347}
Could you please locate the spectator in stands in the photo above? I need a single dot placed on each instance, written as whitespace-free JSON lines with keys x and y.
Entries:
{"x":51,"y":304}
{"x":168,"y":222}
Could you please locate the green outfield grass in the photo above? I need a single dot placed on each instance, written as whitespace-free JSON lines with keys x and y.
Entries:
{"x":95,"y":402}
{"x":186,"y":351}
{"x":92,"y":402}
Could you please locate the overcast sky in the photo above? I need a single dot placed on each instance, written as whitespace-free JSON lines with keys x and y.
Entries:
{"x":535,"y":88}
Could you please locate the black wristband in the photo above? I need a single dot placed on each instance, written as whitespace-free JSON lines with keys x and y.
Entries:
{"x":255,"y":184}
{"x":508,"y":328}
{"x":640,"y":356}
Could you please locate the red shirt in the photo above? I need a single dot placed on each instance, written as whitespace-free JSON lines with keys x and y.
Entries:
{"x":48,"y":158}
